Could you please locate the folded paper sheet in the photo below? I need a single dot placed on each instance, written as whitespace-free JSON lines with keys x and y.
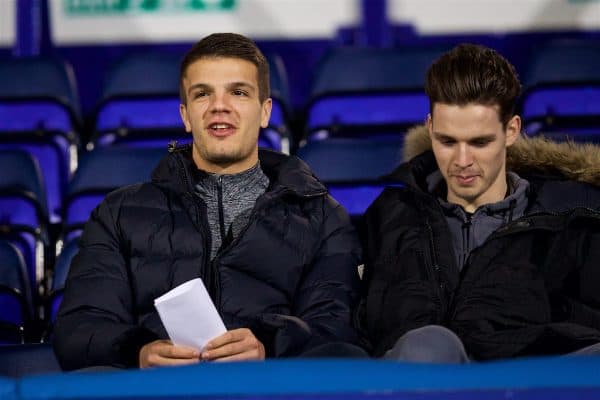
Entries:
{"x":189,"y":315}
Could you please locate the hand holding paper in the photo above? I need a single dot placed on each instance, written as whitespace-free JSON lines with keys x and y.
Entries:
{"x":189,"y":315}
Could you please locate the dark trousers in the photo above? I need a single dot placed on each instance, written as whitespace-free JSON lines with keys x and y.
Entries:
{"x":437,"y":344}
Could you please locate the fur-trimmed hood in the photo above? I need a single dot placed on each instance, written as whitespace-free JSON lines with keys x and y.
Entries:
{"x":531,"y":156}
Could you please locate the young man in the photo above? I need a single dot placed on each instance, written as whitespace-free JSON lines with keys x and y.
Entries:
{"x":470,"y":259}
{"x":278,"y":256}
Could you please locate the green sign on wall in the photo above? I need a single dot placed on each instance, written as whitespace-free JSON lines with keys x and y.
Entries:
{"x":91,"y":7}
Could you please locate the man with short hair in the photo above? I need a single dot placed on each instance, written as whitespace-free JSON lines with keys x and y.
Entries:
{"x":277,"y":254}
{"x":474,"y":257}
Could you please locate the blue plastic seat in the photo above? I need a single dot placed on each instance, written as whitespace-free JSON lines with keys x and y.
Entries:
{"x":277,"y":135}
{"x":23,"y":210}
{"x":357,"y":89}
{"x":353,"y":169}
{"x":562,"y":98}
{"x":39,"y":113}
{"x":15,"y":295}
{"x":20,"y":360}
{"x":356,"y":197}
{"x":141,"y":92}
{"x":136,"y":111}
{"x":348,"y":159}
{"x":61,"y":270}
{"x":101,"y":171}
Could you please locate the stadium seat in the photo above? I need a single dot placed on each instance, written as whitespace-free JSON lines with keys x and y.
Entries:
{"x":562,"y":99}
{"x":277,"y":135}
{"x":39,"y":113}
{"x":140,"y":112}
{"x":27,"y":359}
{"x":140,"y":100}
{"x":357,"y":90}
{"x":15,"y":295}
{"x":61,"y":270}
{"x":23,"y":211}
{"x":353,"y":169}
{"x":101,"y":171}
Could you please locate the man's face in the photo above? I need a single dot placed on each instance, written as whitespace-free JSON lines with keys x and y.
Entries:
{"x":469,"y":144}
{"x":224,"y":114}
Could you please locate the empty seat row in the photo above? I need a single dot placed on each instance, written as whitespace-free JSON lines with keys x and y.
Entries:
{"x":357,"y":92}
{"x":39,"y":113}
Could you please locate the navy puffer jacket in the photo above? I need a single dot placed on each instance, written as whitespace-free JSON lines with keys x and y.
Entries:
{"x":290,"y":276}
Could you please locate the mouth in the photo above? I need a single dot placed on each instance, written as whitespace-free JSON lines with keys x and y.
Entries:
{"x":465,"y":180}
{"x":221,"y":129}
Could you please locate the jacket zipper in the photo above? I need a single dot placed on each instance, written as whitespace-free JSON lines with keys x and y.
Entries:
{"x":221,"y":211}
{"x":466,"y":236}
{"x":439,"y":286}
{"x":215,"y":262}
{"x":213,"y":284}
{"x":252,"y":216}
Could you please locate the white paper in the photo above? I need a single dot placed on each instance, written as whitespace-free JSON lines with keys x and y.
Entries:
{"x":189,"y":315}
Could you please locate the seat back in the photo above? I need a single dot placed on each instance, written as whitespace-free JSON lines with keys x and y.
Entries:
{"x":563,"y":90}
{"x":15,"y":294}
{"x":61,"y":270}
{"x":357,"y":88}
{"x":356,"y":197}
{"x":277,"y":135}
{"x":141,"y":92}
{"x":37,"y":93}
{"x":23,"y":209}
{"x":39,"y":113}
{"x":353,"y":169}
{"x":348,"y":159}
{"x":27,"y":359}
{"x":136,"y":111}
{"x":101,"y":171}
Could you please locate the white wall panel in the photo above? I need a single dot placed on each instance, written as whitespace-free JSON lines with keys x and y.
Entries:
{"x":111,"y":21}
{"x":7,"y":22}
{"x":488,"y":16}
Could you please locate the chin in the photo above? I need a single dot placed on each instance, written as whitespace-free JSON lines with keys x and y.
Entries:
{"x":225,"y":157}
{"x":466,"y":194}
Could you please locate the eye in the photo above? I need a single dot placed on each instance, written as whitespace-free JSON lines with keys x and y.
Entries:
{"x":447,"y":142}
{"x":239,"y":92}
{"x":480,"y":142}
{"x":200,"y":94}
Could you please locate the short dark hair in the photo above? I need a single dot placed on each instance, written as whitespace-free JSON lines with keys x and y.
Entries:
{"x":474,"y":74}
{"x":228,"y":45}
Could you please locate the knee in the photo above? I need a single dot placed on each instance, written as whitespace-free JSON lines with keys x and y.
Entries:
{"x":431,"y":343}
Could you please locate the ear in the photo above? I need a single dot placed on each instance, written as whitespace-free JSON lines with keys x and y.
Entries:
{"x":267,"y":105}
{"x":513,"y":130}
{"x":185,"y":118}
{"x":429,"y":123}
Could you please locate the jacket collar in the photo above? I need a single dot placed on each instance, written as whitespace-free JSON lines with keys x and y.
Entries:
{"x":530,"y":157}
{"x":286,"y":173}
{"x":552,"y":175}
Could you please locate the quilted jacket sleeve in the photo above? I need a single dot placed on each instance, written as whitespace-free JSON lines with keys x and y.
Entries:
{"x":328,"y":293}
{"x":95,"y":324}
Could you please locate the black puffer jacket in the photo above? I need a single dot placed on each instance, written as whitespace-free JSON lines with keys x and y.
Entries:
{"x":290,"y":276}
{"x":530,"y":288}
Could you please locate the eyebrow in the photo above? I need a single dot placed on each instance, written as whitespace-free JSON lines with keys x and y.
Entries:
{"x":442,"y":136}
{"x":229,"y":86}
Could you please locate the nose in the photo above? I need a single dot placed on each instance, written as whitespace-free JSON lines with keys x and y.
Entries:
{"x":219,"y":102}
{"x":463,"y":158}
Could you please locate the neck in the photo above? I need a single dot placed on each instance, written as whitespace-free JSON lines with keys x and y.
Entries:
{"x":495,"y":193}
{"x":224,"y":168}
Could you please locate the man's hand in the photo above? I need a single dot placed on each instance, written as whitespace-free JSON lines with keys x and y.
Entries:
{"x":235,"y":345}
{"x":164,"y":352}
